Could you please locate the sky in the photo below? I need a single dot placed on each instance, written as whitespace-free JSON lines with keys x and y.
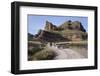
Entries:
{"x":36,"y":22}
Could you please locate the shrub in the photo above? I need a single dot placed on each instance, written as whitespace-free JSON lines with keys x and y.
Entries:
{"x":34,"y":50}
{"x":44,"y":55}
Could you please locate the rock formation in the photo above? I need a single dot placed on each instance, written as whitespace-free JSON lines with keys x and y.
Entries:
{"x":68,"y":31}
{"x":49,"y":26}
{"x":50,"y":37}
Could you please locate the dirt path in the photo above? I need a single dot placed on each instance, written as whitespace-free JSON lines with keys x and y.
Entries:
{"x":66,"y":53}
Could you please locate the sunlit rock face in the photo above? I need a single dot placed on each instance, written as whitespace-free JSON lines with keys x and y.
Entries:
{"x":71,"y":30}
{"x":49,"y":26}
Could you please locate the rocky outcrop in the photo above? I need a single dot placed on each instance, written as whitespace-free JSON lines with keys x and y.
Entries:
{"x":49,"y":26}
{"x":68,"y":25}
{"x":75,"y":25}
{"x":47,"y":36}
{"x":68,"y":31}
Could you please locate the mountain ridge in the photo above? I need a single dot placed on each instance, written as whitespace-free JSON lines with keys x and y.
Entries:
{"x":75,"y":25}
{"x":67,"y":31}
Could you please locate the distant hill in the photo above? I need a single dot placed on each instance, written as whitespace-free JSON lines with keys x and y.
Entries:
{"x":30,"y":36}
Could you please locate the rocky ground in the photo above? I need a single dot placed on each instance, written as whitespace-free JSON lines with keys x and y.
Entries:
{"x":68,"y":53}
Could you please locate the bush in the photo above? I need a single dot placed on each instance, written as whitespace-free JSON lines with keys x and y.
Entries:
{"x":44,"y":55}
{"x":34,"y":50}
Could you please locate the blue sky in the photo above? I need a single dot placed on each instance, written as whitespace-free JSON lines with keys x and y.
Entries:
{"x":36,"y":22}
